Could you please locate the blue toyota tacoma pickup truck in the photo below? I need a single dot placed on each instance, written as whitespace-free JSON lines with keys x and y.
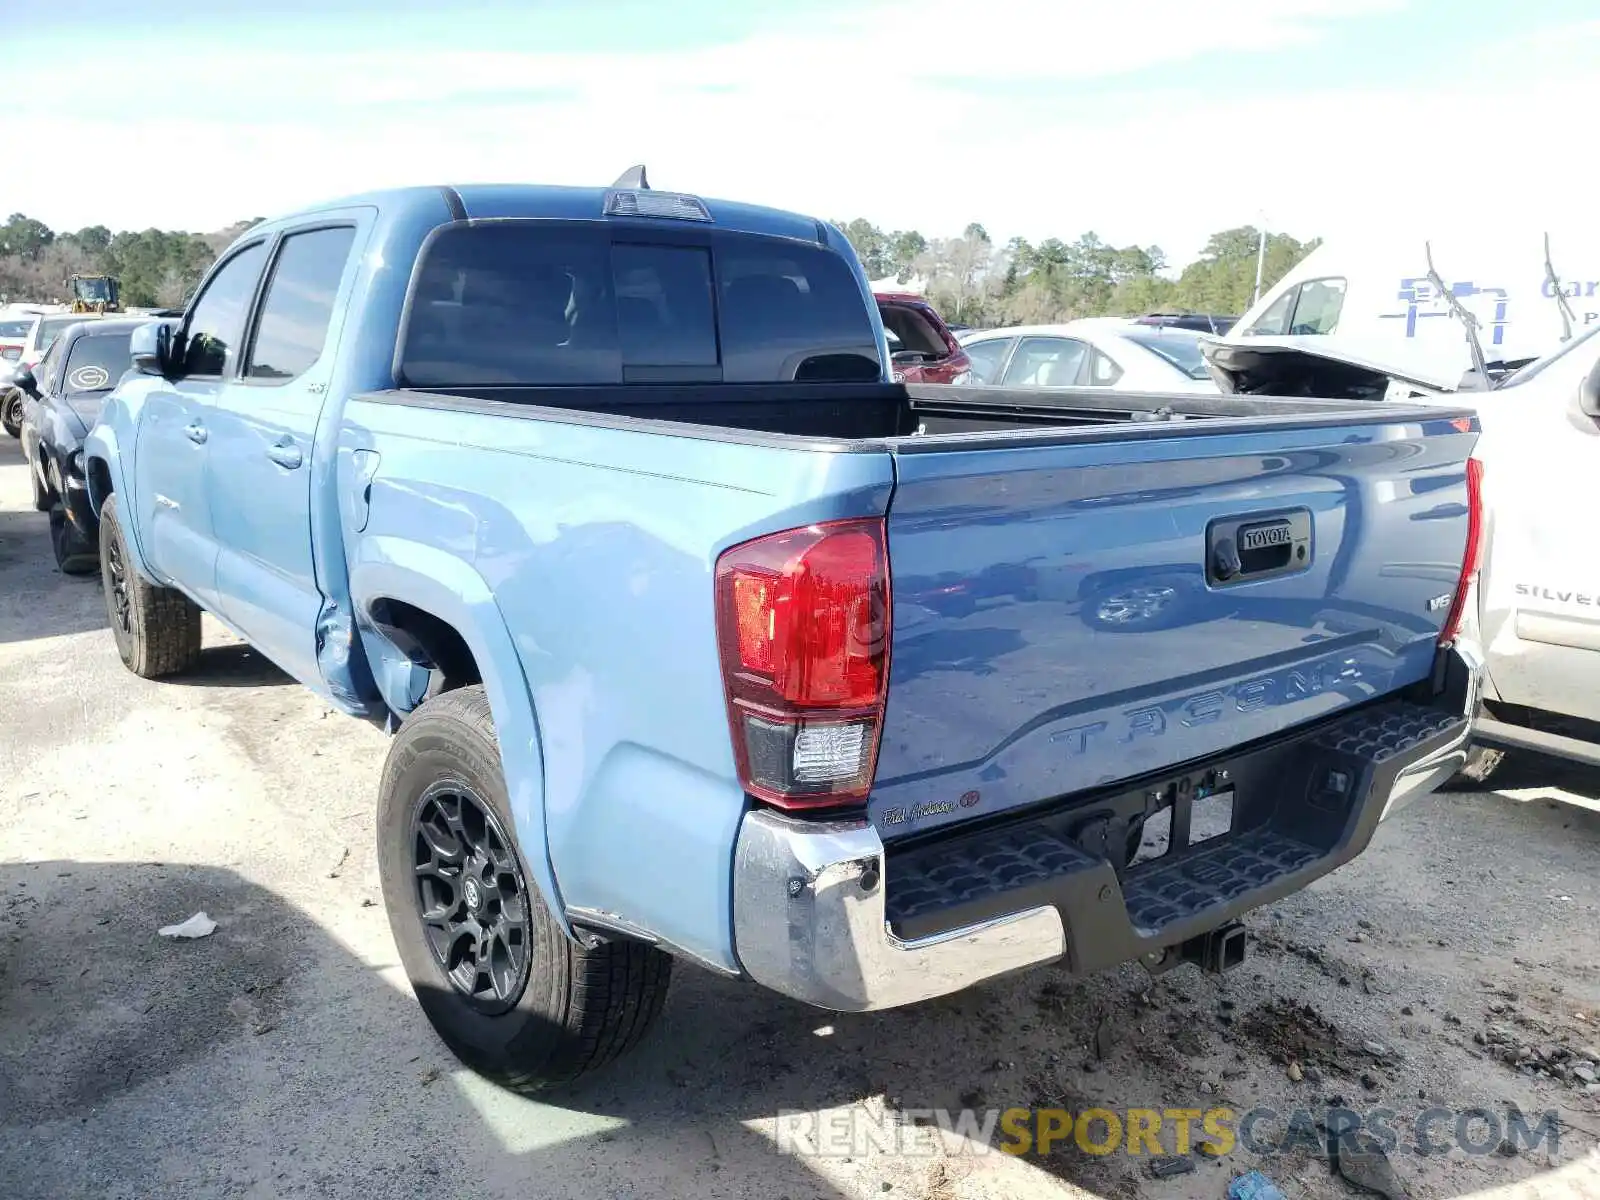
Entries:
{"x":702,"y":640}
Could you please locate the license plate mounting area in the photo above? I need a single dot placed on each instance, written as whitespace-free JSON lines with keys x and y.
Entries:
{"x":1159,"y":821}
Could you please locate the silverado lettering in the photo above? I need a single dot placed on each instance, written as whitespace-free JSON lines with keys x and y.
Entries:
{"x":1538,"y":592}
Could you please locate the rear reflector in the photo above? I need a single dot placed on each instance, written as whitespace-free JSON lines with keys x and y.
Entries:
{"x":1472,"y":557}
{"x":803,"y":630}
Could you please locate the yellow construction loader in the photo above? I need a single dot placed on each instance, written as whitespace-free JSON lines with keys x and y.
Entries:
{"x":96,"y":293}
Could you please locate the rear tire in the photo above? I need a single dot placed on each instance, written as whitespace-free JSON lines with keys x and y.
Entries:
{"x":157,"y":629}
{"x":75,"y":554}
{"x":535,"y":1019}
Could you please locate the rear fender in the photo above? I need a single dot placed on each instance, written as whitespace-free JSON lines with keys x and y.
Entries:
{"x":452,"y":591}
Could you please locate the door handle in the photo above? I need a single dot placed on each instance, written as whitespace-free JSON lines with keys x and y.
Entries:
{"x":285,"y":454}
{"x":196,"y":432}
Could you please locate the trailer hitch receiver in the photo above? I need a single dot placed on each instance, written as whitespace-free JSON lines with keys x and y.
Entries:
{"x":1218,"y":950}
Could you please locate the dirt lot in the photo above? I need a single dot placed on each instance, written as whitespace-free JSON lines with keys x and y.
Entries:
{"x":284,"y":1055}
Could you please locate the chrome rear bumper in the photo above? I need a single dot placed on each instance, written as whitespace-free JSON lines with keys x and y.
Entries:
{"x":809,"y":921}
{"x":810,"y":907}
{"x":1463,"y":692}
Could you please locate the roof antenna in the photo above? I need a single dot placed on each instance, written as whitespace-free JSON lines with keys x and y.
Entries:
{"x":1558,"y":292}
{"x":633,"y":180}
{"x":1458,"y":310}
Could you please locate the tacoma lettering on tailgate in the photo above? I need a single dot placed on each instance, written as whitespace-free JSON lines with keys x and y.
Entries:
{"x":1214,"y":704}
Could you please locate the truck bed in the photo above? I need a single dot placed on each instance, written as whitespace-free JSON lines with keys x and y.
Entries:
{"x":874,"y":414}
{"x":1058,"y":625}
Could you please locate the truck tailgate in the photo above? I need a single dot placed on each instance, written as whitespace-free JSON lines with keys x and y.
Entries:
{"x":1071,"y":615}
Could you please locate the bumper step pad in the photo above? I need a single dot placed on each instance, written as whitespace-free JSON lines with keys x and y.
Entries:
{"x":1215,"y":876}
{"x":1304,"y":804}
{"x":971,"y":870}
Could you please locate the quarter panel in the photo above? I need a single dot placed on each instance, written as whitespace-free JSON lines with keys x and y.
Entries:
{"x":597,"y":546}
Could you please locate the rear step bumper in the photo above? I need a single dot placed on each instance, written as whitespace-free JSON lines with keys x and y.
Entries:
{"x":824,"y":913}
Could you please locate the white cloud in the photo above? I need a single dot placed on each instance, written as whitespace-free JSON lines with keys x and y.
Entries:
{"x":1016,"y":40}
{"x":857,"y":116}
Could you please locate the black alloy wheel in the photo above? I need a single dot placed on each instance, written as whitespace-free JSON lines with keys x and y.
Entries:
{"x":121,"y":600}
{"x":471,"y":896}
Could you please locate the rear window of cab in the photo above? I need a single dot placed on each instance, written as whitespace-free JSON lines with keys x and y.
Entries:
{"x":97,"y":362}
{"x":542,"y":303}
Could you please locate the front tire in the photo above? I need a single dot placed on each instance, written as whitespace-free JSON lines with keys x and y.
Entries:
{"x":43,"y":500}
{"x":75,"y":554}
{"x":157,"y":629}
{"x":11,"y":412}
{"x":507,"y":991}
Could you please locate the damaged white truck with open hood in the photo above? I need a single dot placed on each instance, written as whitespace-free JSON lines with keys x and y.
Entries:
{"x":1378,"y":299}
{"x":1535,"y":608}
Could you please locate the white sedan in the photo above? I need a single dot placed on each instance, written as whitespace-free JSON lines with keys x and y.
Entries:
{"x":1100,"y":352}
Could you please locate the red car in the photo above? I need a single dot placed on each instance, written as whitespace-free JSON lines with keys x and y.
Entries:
{"x":922,"y":348}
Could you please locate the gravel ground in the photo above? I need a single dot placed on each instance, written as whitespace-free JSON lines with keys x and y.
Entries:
{"x":284,"y":1055}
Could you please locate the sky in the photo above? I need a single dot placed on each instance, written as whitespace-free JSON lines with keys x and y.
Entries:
{"x":1146,"y":121}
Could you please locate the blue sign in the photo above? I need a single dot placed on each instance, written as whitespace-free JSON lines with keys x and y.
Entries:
{"x":1423,"y":301}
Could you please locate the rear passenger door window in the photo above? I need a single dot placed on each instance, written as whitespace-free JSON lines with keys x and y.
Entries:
{"x":1103,"y":372}
{"x":298,"y":306}
{"x":216,"y":319}
{"x":1046,"y":362}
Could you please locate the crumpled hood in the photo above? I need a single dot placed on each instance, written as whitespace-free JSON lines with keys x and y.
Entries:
{"x":1302,"y":366}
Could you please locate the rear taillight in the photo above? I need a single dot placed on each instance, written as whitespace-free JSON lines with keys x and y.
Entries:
{"x":1472,"y":560}
{"x":803,"y":630}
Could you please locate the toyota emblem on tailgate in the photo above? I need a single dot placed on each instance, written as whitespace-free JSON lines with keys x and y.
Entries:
{"x":1261,"y":537}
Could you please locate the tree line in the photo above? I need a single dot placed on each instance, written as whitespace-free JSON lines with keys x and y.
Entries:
{"x":973,"y":280}
{"x":969,"y":278}
{"x":157,"y":267}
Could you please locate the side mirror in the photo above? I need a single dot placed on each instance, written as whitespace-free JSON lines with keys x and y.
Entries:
{"x":24,"y":381}
{"x":150,"y":348}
